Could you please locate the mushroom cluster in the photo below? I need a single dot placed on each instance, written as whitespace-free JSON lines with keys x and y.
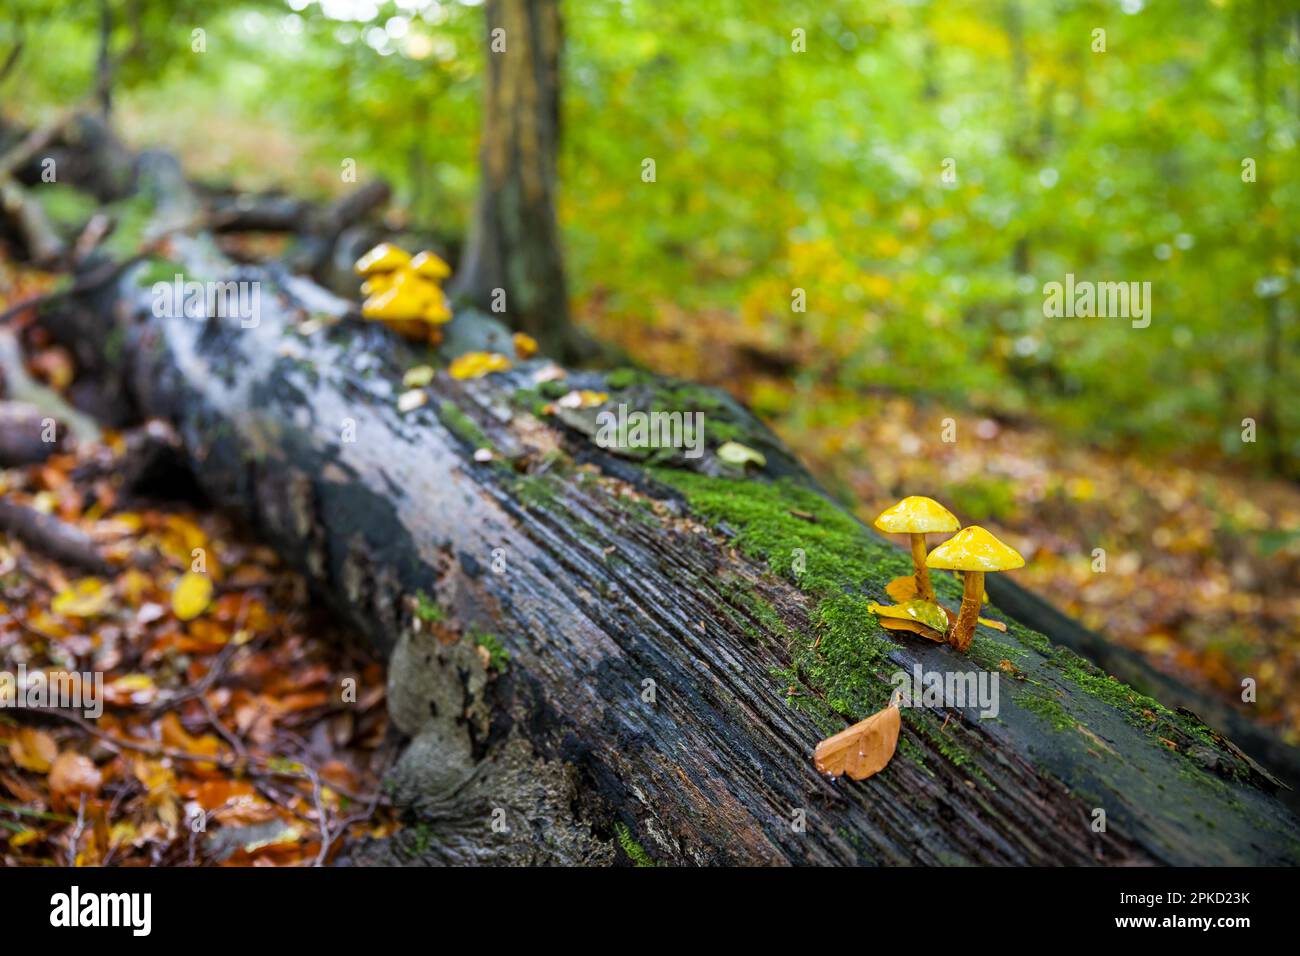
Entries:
{"x":865,"y":748}
{"x":972,"y":551}
{"x":404,"y":291}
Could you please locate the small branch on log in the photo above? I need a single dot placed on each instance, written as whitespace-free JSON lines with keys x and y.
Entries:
{"x":23,"y":388}
{"x":53,"y":537}
{"x":43,"y":245}
{"x":23,"y":429}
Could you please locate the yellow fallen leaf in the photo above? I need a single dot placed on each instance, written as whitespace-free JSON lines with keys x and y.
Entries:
{"x":478,"y":364}
{"x":33,"y":749}
{"x":863,"y":749}
{"x":525,"y":345}
{"x":923,"y":612}
{"x":418,"y":377}
{"x":191,"y":595}
{"x":85,"y":598}
{"x":734,"y":453}
{"x":24,"y":838}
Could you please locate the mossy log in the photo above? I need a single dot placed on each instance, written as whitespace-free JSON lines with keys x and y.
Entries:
{"x":600,"y":657}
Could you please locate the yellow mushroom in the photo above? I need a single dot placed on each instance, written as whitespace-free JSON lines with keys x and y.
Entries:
{"x":384,"y":257}
{"x":407,"y":297}
{"x":918,"y":516}
{"x":974,"y":552}
{"x":430,"y":266}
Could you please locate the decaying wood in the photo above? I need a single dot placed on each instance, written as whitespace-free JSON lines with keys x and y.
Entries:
{"x":642,"y":688}
{"x":23,"y":430}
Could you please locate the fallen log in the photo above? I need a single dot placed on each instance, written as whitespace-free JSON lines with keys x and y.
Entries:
{"x":592,"y":649}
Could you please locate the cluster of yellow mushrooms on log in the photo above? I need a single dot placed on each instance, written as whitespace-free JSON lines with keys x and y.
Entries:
{"x":867,"y":746}
{"x":404,"y":291}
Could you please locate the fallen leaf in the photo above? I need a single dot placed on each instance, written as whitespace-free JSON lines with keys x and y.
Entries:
{"x":411,"y":400}
{"x":33,"y":749}
{"x":86,"y":598}
{"x":525,"y":345}
{"x":418,"y":376}
{"x":582,"y":398}
{"x":863,"y":749}
{"x":734,"y":453}
{"x":74,"y":774}
{"x":477,"y":364}
{"x":902,"y":588}
{"x":925,"y":612}
{"x":191,"y":595}
{"x":915,"y":627}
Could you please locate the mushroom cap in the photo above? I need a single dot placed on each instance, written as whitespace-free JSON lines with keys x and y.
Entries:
{"x":917,"y":515}
{"x":384,"y":257}
{"x":974,"y":549}
{"x":430,"y":265}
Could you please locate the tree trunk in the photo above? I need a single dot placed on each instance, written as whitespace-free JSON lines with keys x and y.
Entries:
{"x":513,"y":264}
{"x":598,"y":657}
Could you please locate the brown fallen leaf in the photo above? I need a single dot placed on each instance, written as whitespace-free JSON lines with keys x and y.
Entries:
{"x":74,"y":774}
{"x":861,"y":750}
{"x":916,"y":627}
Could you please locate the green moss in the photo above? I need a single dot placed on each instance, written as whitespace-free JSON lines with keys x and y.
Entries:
{"x":622,"y":378}
{"x":635,"y":851}
{"x":462,"y":426}
{"x":419,"y":839}
{"x":845,"y":658}
{"x":426,"y":610}
{"x":536,"y":491}
{"x":1050,"y":710}
{"x":498,"y":656}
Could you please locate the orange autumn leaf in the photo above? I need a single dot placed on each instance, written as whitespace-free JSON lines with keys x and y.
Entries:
{"x":863,"y":749}
{"x":902,"y":589}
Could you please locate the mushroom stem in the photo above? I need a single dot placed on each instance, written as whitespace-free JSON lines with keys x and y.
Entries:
{"x":972,"y":596}
{"x":924,"y":589}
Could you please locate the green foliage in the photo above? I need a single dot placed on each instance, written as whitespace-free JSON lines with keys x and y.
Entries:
{"x":821,"y":169}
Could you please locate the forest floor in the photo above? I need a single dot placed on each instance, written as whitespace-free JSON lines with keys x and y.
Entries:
{"x":239,"y":727}
{"x":1200,"y":562}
